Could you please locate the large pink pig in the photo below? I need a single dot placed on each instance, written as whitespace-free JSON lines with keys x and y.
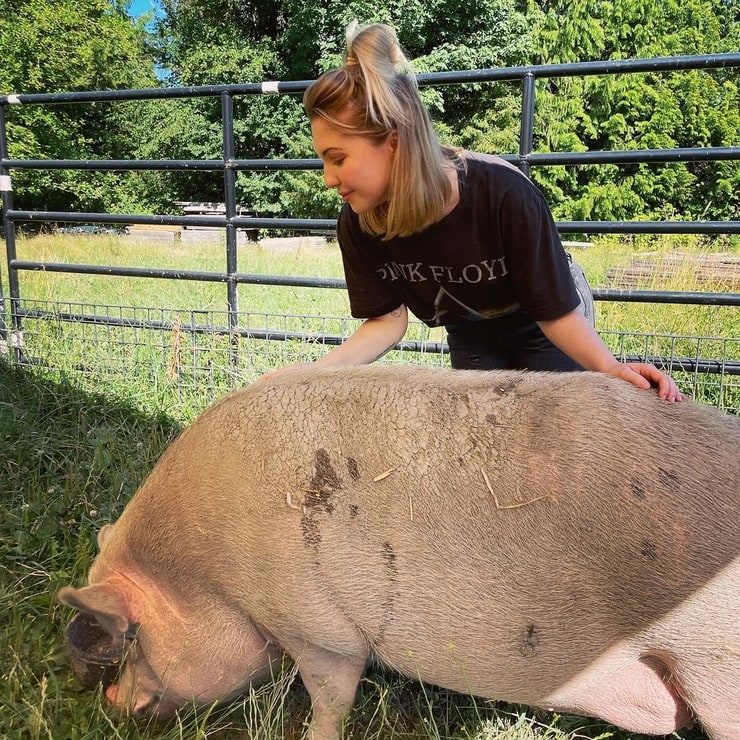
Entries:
{"x":559,"y":540}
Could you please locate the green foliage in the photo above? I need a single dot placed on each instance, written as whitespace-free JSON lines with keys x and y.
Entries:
{"x":223,"y":41}
{"x":93,"y":44}
{"x":638,"y":111}
{"x":209,"y":41}
{"x":70,"y":45}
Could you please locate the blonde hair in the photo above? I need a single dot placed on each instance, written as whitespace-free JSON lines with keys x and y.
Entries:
{"x":374,"y":94}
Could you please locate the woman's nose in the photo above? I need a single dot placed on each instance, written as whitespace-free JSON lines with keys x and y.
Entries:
{"x":330,"y":179}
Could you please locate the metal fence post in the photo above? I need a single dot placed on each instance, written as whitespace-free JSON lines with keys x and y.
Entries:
{"x":227,"y":115}
{"x":526,"y":135}
{"x":9,"y":340}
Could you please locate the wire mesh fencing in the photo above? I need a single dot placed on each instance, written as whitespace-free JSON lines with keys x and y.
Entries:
{"x":182,"y":360}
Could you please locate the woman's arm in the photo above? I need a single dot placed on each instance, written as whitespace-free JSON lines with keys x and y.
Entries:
{"x":371,"y":341}
{"x":575,"y":336}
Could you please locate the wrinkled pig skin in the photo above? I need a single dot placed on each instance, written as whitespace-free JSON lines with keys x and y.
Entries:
{"x":564,"y":541}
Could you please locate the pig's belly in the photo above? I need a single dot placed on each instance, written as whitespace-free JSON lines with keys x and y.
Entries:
{"x":618,"y":686}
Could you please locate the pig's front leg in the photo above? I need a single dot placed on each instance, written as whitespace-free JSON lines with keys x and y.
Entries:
{"x":331,"y":680}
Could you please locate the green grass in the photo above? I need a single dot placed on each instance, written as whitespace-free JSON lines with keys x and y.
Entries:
{"x":79,"y":433}
{"x":180,"y":371}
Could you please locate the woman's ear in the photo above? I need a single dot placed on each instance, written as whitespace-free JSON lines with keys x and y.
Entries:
{"x":393,"y":140}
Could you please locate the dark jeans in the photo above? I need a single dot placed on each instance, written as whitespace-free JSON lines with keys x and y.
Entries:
{"x":514,"y":341}
{"x":511,"y":342}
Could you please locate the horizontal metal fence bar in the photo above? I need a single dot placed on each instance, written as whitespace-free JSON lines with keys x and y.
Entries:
{"x":628,"y":156}
{"x":167,"y":165}
{"x":648,"y":227}
{"x":576,"y":69}
{"x":293,"y":281}
{"x":247,"y":222}
{"x":682,"y":364}
{"x":116,"y":218}
{"x":308,"y":224}
{"x":547,"y":71}
{"x":140,"y":272}
{"x":289,"y":281}
{"x":689,"y":365}
{"x":104,"y":165}
{"x":666,"y":296}
{"x":319,"y":224}
{"x":633,"y":296}
{"x":145,"y":93}
{"x":267,"y":165}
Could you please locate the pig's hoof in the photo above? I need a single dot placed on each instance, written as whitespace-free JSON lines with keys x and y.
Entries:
{"x":94,"y":655}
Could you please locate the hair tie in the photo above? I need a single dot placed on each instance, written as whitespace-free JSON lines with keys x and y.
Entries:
{"x":351,"y":31}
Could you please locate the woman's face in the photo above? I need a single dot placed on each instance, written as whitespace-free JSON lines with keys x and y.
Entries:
{"x":357,"y":166}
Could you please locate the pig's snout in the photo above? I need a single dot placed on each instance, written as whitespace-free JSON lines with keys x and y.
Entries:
{"x":140,"y":702}
{"x":125,"y":705}
{"x":111,"y":693}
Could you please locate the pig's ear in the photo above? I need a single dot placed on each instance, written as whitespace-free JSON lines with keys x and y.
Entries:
{"x":105,"y":531}
{"x":104,"y":602}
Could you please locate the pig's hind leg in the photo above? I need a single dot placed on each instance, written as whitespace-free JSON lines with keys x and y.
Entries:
{"x":707,"y":660}
{"x":331,"y":680}
{"x":639,"y":696}
{"x":659,"y":694}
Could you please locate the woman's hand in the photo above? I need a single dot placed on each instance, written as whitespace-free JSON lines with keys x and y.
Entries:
{"x":645,"y":375}
{"x":370,"y":342}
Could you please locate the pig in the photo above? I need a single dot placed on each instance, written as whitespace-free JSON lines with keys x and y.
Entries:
{"x":560,"y":540}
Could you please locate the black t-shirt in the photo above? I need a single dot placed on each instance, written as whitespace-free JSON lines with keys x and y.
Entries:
{"x":496,"y":252}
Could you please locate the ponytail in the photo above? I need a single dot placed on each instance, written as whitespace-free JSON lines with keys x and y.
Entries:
{"x":374,"y":94}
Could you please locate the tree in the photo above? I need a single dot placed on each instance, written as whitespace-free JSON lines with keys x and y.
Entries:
{"x":93,"y":44}
{"x":227,"y":41}
{"x":65,"y":46}
{"x":638,"y":111}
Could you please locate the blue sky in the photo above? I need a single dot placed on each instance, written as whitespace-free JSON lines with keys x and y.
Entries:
{"x":137,"y":7}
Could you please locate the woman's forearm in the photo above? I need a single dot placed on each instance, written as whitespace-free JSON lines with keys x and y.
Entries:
{"x":575,"y":336}
{"x":372,"y":340}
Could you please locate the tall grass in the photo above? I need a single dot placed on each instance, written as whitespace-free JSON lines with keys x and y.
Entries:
{"x":77,"y":437}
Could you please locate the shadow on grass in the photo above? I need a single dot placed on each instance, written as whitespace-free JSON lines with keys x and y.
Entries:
{"x":69,"y":462}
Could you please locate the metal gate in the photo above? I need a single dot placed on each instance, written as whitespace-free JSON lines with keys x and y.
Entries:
{"x":215,"y":350}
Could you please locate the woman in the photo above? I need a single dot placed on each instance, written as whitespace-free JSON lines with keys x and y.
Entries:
{"x":463,"y":240}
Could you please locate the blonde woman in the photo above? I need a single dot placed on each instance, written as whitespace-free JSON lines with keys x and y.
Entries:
{"x":463,"y":240}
